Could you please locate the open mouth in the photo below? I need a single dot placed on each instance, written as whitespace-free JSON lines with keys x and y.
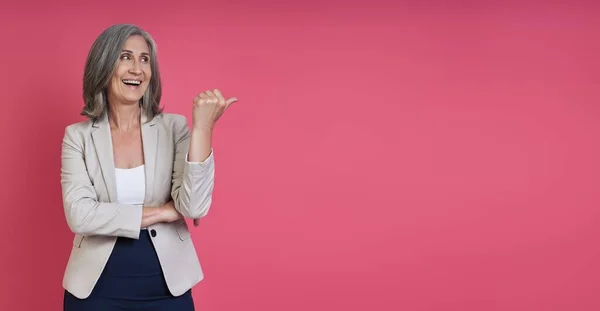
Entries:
{"x":132,"y":83}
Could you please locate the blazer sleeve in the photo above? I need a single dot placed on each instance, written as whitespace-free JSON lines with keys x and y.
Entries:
{"x":193,"y":182}
{"x":85,"y":214}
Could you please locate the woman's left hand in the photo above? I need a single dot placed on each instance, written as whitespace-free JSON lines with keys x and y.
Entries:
{"x":209,"y":106}
{"x":169,"y":213}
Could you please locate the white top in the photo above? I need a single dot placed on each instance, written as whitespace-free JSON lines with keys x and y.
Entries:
{"x":131,"y":185}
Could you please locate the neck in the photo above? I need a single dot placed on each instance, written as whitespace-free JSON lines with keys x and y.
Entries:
{"x":124,"y":117}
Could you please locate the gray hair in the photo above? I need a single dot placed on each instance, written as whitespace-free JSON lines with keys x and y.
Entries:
{"x":102,"y":62}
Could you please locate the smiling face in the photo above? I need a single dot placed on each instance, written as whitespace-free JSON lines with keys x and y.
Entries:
{"x":132,"y":75}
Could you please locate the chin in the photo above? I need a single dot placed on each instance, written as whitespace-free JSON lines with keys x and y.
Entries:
{"x":133,"y":99}
{"x":127,"y":97}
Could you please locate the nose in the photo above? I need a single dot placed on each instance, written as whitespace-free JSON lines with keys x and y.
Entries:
{"x":135,"y":68}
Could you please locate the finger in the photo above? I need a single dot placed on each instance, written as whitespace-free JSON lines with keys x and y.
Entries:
{"x":219,"y":96}
{"x":210,"y":94}
{"x":230,"y":101}
{"x":212,"y":100}
{"x":201,"y":98}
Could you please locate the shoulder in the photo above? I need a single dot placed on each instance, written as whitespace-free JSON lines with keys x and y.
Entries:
{"x":77,"y":131}
{"x":174,"y":125}
{"x":79,"y":126}
{"x":172,"y":121}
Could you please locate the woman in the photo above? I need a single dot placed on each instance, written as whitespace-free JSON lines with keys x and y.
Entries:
{"x":130,"y":175}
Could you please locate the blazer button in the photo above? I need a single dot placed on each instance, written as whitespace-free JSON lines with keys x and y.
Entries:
{"x":153,"y":233}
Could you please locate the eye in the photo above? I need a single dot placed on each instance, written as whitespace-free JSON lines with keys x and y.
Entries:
{"x":145,"y":59}
{"x":125,"y":56}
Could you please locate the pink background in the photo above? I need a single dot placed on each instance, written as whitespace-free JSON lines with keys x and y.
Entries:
{"x":431,"y":155}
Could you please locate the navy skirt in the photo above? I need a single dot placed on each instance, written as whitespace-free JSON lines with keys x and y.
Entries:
{"x":131,"y":280}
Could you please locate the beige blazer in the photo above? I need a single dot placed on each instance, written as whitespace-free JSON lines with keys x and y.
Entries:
{"x":93,"y":214}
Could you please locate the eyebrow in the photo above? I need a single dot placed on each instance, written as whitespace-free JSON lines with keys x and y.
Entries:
{"x":143,"y":53}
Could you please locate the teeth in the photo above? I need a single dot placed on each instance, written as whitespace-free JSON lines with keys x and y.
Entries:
{"x":133,"y":82}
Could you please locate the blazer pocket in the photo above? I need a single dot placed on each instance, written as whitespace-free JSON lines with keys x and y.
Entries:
{"x":183,"y":231}
{"x":77,"y":240}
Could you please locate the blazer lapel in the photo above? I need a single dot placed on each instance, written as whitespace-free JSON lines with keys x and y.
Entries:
{"x":150,"y":147}
{"x":104,"y":151}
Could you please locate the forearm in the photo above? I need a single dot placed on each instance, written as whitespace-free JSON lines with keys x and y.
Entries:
{"x":192,"y":193}
{"x":89,"y":217}
{"x":200,"y":144}
{"x":193,"y":171}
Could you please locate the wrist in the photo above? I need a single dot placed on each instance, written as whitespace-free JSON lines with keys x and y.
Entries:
{"x":202,"y":130}
{"x":165,"y":213}
{"x":150,"y":216}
